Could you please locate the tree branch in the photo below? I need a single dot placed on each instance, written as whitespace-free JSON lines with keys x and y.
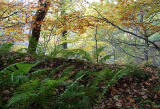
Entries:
{"x":126,"y":31}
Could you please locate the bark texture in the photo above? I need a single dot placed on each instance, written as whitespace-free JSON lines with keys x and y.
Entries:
{"x":64,"y":34}
{"x":36,"y":26}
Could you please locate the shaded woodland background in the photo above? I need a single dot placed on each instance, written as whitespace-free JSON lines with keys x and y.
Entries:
{"x":128,"y":30}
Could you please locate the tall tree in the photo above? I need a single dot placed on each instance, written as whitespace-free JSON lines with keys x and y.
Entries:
{"x":143,"y":15}
{"x":43,"y":7}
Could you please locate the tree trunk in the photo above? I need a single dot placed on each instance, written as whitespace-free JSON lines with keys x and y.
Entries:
{"x":146,"y":49}
{"x":146,"y":41}
{"x":64,"y":33}
{"x":96,"y":41}
{"x":36,"y":26}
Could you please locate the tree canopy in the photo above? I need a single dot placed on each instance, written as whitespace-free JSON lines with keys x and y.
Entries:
{"x":132,"y":19}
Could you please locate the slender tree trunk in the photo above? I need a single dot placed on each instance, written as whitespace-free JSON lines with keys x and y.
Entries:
{"x":96,"y":41}
{"x":114,"y":53}
{"x":64,"y":33}
{"x":146,"y":41}
{"x":36,"y":27}
{"x":146,"y":57}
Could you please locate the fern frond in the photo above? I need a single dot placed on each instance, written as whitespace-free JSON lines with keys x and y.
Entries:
{"x":56,"y":51}
{"x":5,"y":48}
{"x":77,"y":54}
{"x":70,"y":86}
{"x":103,"y":59}
{"x":98,"y":51}
{"x":20,"y":97}
{"x":115,"y":78}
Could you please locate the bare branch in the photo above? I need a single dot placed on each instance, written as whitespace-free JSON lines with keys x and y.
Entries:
{"x":126,"y":31}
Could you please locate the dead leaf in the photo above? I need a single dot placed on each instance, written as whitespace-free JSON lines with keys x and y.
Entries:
{"x":131,"y":100}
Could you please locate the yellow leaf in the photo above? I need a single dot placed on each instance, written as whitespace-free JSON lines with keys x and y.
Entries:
{"x":59,"y":31}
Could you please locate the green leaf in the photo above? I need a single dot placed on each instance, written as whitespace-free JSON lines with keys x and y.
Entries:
{"x":20,"y":97}
{"x":24,"y":68}
{"x":105,"y":58}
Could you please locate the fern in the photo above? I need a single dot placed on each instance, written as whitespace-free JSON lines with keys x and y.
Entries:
{"x":70,"y":86}
{"x":67,"y":71}
{"x":103,"y":75}
{"x":56,"y":51}
{"x":98,"y":51}
{"x":21,"y":97}
{"x":7,"y":74}
{"x":103,"y":59}
{"x":63,"y":94}
{"x":39,"y":71}
{"x":21,"y":79}
{"x":118,"y":75}
{"x":99,"y":58}
{"x":50,"y":84}
{"x":41,"y":92}
{"x":5,"y":48}
{"x":16,"y":73}
{"x":24,"y":92}
{"x":77,"y":54}
{"x":74,"y":96}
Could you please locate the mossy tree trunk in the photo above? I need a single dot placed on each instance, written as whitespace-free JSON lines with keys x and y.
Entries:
{"x":36,"y":26}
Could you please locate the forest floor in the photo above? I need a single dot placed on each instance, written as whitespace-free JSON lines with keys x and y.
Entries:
{"x":130,"y":92}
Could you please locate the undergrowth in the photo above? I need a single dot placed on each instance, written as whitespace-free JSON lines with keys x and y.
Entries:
{"x":41,"y":89}
{"x":26,"y":86}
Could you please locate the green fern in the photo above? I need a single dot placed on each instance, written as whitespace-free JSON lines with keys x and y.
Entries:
{"x":63,"y":94}
{"x":21,"y":97}
{"x":5,"y":48}
{"x":67,"y":70}
{"x":56,"y":51}
{"x":24,"y":92}
{"x":98,"y":51}
{"x":77,"y":54}
{"x":50,"y":85}
{"x":74,"y":96}
{"x":106,"y":57}
{"x":118,"y":75}
{"x":55,"y":70}
{"x":99,"y":58}
{"x":105,"y":74}
{"x":42,"y":92}
{"x":16,"y":73}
